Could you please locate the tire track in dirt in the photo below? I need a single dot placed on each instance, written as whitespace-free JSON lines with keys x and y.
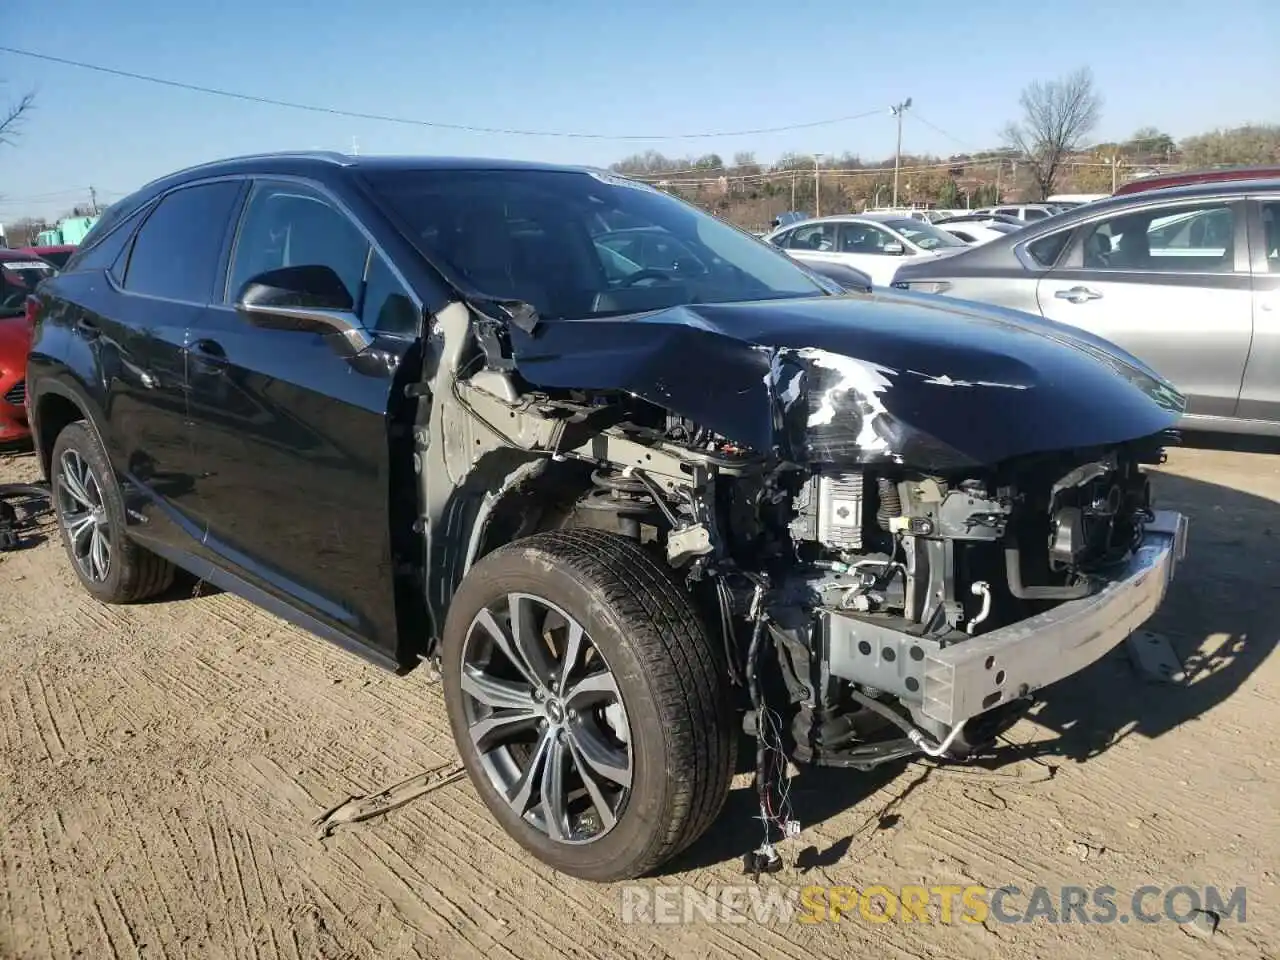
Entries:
{"x":198,"y":827}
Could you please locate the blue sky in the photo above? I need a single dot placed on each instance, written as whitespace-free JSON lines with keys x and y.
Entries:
{"x":608,"y":68}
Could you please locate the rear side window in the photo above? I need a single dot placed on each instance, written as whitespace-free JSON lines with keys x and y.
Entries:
{"x":1047,"y":250}
{"x":1035,"y":213}
{"x":817,"y":236}
{"x":1271,"y":234}
{"x":175,"y":255}
{"x":105,"y":249}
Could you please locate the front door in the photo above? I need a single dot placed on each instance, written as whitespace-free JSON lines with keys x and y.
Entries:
{"x":1170,"y":284}
{"x":292,"y":435}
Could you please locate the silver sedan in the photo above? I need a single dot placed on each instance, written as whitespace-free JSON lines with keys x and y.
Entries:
{"x":1186,"y":279}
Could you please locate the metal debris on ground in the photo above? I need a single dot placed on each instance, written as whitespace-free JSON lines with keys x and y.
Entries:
{"x":1154,"y":658}
{"x":363,"y":807}
{"x":1203,"y":924}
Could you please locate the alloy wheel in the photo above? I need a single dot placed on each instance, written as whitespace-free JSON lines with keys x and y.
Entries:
{"x":546,"y":718}
{"x":83,"y":512}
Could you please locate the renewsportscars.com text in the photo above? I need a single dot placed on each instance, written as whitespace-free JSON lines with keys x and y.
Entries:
{"x":938,"y":904}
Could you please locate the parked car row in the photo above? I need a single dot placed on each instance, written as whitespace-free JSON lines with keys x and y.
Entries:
{"x":875,"y":243}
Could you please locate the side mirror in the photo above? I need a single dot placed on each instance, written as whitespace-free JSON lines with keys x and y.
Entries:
{"x":894,"y":249}
{"x":310,"y":298}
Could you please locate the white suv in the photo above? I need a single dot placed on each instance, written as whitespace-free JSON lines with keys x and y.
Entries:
{"x":1026,"y":212}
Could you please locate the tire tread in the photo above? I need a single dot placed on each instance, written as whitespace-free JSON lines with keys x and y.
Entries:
{"x":684,"y":670}
{"x":143,"y":574}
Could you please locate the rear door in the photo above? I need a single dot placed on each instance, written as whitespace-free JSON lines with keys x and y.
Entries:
{"x":292,"y":436}
{"x":1170,"y":284}
{"x":1260,"y":393}
{"x":156,"y":291}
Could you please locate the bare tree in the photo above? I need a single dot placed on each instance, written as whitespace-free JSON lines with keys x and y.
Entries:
{"x":12,"y":118}
{"x":1057,"y":116}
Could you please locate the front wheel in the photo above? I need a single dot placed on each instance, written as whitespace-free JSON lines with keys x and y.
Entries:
{"x":588,"y":703}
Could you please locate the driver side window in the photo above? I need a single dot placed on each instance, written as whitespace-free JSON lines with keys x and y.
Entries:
{"x":290,"y":225}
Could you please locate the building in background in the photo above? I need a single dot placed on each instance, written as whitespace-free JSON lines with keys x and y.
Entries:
{"x":68,"y":232}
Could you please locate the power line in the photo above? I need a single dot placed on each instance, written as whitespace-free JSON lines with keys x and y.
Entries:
{"x":52,"y":195}
{"x":411,"y":121}
{"x":937,"y":129}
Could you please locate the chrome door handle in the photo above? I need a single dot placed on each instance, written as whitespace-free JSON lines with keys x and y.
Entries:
{"x":1078,"y":295}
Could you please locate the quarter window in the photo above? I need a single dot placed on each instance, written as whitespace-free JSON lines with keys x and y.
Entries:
{"x":288,"y":225}
{"x":175,"y":254}
{"x":1047,"y":250}
{"x":1189,"y":239}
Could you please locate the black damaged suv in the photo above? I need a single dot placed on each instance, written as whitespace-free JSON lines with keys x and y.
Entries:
{"x":429,"y":409}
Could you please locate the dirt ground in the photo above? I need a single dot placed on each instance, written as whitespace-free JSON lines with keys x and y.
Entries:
{"x":160,"y":766}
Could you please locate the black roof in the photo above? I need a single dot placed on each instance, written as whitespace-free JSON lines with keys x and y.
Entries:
{"x":315,"y":161}
{"x":317,"y":164}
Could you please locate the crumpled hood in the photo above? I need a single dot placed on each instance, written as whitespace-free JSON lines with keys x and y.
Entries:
{"x":926,"y":381}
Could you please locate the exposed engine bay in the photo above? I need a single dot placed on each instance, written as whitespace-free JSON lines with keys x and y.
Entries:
{"x":856,"y":573}
{"x":879,"y":591}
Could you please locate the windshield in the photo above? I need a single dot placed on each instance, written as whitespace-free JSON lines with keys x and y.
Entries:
{"x":578,"y":245}
{"x":924,"y":235}
{"x":18,"y":279}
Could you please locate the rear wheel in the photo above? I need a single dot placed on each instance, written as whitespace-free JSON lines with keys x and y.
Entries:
{"x":588,"y":703}
{"x":91,"y":516}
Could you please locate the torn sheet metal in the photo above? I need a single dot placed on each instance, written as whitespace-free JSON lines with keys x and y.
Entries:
{"x":837,"y":379}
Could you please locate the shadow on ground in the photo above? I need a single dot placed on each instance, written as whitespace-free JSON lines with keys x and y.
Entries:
{"x":1222,"y":617}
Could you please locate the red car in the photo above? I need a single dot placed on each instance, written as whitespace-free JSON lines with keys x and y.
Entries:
{"x":20,"y":272}
{"x":1221,"y":174}
{"x":58,"y":255}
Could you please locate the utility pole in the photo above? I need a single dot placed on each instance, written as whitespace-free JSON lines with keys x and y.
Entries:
{"x":1115,"y":168}
{"x":93,"y":198}
{"x":817,"y":193}
{"x":999,"y":168}
{"x":898,"y":110}
{"x":793,"y":188}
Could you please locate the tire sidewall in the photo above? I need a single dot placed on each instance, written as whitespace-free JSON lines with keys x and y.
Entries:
{"x":646,"y":815}
{"x":80,"y":439}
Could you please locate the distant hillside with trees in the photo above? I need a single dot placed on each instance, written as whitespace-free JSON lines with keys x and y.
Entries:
{"x":1044,"y":152}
